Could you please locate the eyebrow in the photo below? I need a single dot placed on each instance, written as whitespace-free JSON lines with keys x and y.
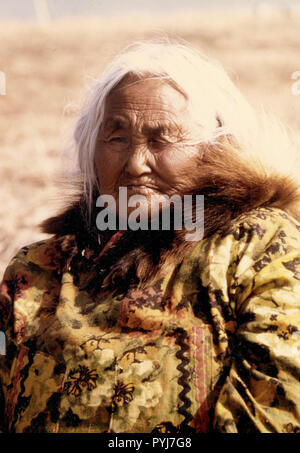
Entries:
{"x":158,"y":127}
{"x":115,"y":123}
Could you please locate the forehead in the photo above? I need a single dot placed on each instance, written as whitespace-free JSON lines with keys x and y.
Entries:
{"x":145,"y":100}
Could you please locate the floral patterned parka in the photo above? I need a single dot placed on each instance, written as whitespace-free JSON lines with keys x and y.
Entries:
{"x":213,"y":346}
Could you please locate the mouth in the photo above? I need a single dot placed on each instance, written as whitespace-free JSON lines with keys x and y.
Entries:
{"x":141,"y":188}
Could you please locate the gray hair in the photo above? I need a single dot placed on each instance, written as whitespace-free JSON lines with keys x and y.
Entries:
{"x":215,"y":103}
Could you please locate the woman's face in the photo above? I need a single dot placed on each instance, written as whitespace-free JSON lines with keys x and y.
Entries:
{"x":141,"y":142}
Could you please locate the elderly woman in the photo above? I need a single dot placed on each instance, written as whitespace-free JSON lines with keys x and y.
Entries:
{"x":113,"y":328}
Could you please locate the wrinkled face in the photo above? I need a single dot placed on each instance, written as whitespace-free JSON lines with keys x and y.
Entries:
{"x":142,"y":143}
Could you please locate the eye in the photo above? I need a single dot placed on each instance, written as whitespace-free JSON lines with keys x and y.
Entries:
{"x":118,"y":143}
{"x":153,"y":140}
{"x":157,"y":141}
{"x":118,"y":140}
{"x":160,"y":142}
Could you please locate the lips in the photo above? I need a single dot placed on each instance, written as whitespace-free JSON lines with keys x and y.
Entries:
{"x":140,"y":188}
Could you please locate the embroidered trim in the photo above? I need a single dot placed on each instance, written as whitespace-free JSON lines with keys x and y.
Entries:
{"x":181,"y":336}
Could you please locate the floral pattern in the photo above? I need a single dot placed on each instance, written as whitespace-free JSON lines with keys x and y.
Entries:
{"x":123,"y":394}
{"x":80,"y":379}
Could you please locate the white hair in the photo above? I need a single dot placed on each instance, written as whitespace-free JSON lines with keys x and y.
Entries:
{"x":216,"y":104}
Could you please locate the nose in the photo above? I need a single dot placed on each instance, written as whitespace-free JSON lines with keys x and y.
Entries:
{"x":138,"y":162}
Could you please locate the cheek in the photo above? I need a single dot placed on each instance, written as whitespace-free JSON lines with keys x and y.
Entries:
{"x":176,"y":165}
{"x":108,"y":169}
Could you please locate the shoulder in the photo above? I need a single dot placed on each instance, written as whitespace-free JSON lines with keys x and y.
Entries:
{"x":48,"y":255}
{"x":259,"y":230}
{"x":255,"y":248}
{"x":26,"y":266}
{"x":263,"y":236}
{"x":252,"y":264}
{"x":263,"y":223}
{"x":252,"y":233}
{"x":32,"y":277}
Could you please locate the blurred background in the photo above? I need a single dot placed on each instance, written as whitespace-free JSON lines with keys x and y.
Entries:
{"x":51,"y":50}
